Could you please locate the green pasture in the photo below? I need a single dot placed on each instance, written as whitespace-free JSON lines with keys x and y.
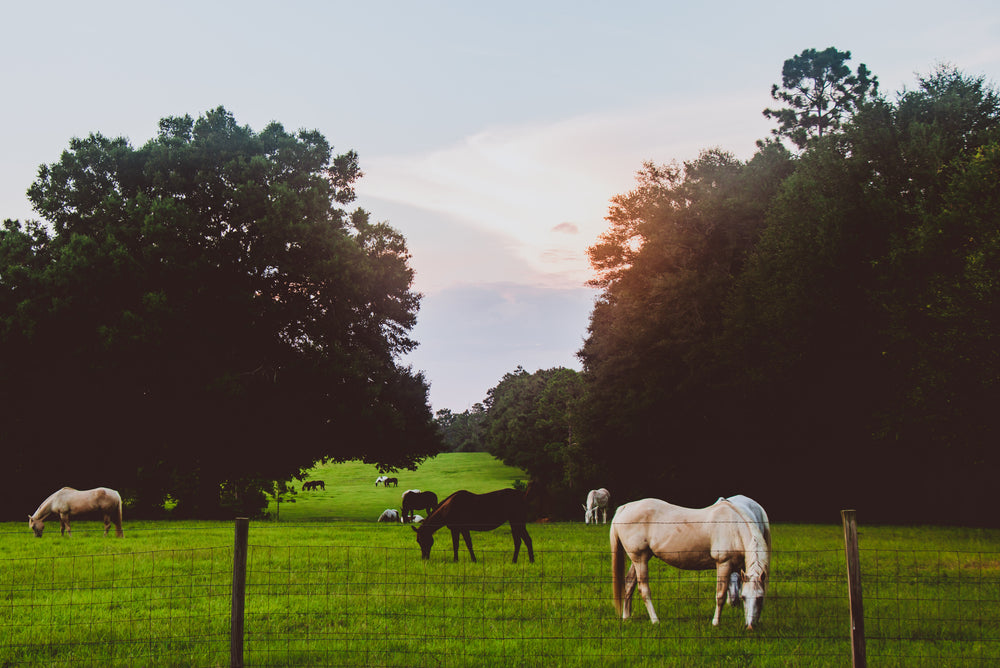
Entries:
{"x":351,"y":494}
{"x":333,"y":587}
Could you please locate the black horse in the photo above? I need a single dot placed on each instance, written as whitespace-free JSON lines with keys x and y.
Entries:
{"x":416,"y":500}
{"x":313,"y":484}
{"x":464,"y":511}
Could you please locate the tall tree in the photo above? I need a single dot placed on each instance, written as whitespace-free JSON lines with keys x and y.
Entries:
{"x":819,"y":91}
{"x":759,"y":320}
{"x":529,"y":424}
{"x":666,"y":265}
{"x":463,"y":432}
{"x":205,"y":314}
{"x":864,"y":318}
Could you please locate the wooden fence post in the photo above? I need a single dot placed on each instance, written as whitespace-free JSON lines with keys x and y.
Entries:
{"x":239,"y":593}
{"x":854,"y":589}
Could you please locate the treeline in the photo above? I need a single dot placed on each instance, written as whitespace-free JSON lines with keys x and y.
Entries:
{"x":817,"y":329}
{"x":199,"y":317}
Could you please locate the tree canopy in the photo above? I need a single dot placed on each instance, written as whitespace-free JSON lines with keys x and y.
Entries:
{"x":764,"y":323}
{"x":818,"y":90}
{"x":202,"y":315}
{"x":528,"y":424}
{"x":462,"y":432}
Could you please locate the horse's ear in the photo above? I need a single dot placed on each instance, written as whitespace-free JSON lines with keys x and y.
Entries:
{"x":413,"y":527}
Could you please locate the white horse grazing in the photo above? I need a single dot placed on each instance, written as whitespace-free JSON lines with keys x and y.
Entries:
{"x":390,"y":515}
{"x":381,"y":479}
{"x":755,"y":512}
{"x":597,"y":499}
{"x":720,"y":536}
{"x":68,"y":502}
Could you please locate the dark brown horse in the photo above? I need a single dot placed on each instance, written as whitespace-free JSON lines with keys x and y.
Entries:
{"x":464,"y":511}
{"x":414,"y":499}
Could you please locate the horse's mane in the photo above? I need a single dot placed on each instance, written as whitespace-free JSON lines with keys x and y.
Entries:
{"x":758,"y":544}
{"x":439,"y":515}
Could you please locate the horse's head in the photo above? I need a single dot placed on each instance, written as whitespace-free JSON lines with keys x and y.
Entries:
{"x":587,"y":512}
{"x":36,"y":525}
{"x":425,"y":539}
{"x":752,"y":593}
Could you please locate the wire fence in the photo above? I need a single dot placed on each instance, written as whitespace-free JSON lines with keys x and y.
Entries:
{"x":356,"y":605}
{"x":132,"y":608}
{"x":926,"y":607}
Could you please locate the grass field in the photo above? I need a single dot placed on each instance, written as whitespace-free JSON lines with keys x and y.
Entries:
{"x":326,"y":585}
{"x":351,"y":494}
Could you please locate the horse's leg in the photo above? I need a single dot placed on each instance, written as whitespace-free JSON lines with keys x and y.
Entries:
{"x":521,"y":533}
{"x":642,"y":575}
{"x":733,"y":591}
{"x":468,"y":543}
{"x":722,"y":572}
{"x":107,"y":523}
{"x":64,"y":527}
{"x":630,"y":582}
{"x":454,"y":543}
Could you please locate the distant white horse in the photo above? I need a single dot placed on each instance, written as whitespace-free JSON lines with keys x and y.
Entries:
{"x":381,"y":479}
{"x":390,"y":515}
{"x":755,"y":512}
{"x":597,"y":499}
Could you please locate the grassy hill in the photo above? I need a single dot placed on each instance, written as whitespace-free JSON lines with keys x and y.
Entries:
{"x":351,"y":494}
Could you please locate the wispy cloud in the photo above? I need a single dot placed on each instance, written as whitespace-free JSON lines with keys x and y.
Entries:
{"x":546,"y":186}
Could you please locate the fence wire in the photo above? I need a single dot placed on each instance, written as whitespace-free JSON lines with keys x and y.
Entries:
{"x":925,"y":607}
{"x":168,"y":607}
{"x":353,"y":605}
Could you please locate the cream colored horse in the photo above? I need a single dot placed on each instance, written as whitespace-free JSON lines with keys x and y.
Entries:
{"x":68,"y":501}
{"x":720,"y":536}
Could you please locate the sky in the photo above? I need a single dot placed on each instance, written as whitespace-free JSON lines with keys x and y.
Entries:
{"x":492,"y":135}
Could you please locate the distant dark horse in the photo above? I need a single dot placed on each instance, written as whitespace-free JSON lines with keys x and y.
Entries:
{"x":464,"y":511}
{"x":414,"y":499}
{"x":313,"y":484}
{"x":391,"y":481}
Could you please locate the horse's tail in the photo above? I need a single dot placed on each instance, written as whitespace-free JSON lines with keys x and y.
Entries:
{"x":119,"y":531}
{"x":617,"y":569}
